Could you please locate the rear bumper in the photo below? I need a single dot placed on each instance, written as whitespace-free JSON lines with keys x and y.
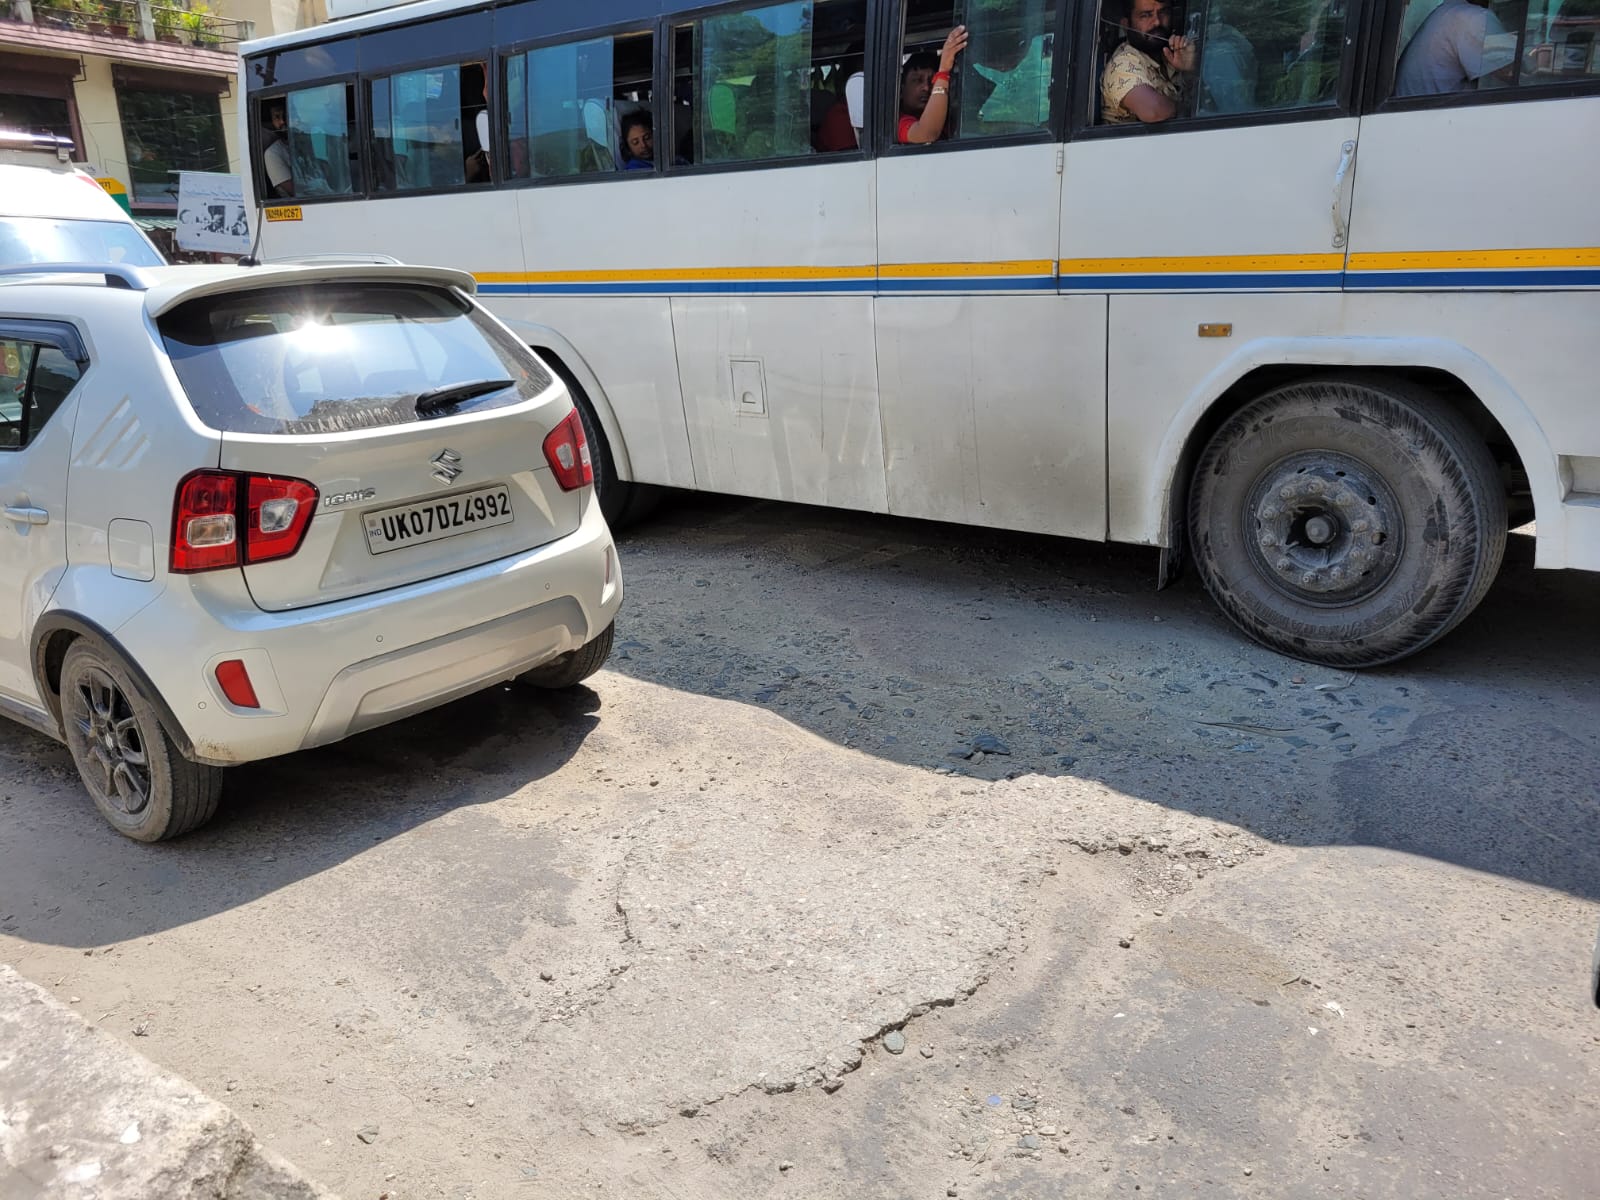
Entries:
{"x":324,"y":673}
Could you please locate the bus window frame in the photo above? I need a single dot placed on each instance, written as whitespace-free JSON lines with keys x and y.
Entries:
{"x":252,"y":89}
{"x":1085,"y":124}
{"x":463,"y":17}
{"x":369,"y":131}
{"x":360,"y":185}
{"x":1379,"y":97}
{"x":500,"y":129}
{"x":670,"y":23}
{"x":1064,"y":59}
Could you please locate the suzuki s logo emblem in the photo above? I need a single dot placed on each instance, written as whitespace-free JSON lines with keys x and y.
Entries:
{"x":446,"y":466}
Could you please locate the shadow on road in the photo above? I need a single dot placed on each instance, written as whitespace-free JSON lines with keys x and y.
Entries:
{"x":281,"y":821}
{"x":913,"y":641}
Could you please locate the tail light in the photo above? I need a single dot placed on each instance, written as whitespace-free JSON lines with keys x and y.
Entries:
{"x":233,"y":519}
{"x":567,"y":451}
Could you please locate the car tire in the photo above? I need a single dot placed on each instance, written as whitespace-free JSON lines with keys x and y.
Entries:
{"x":137,"y":778}
{"x":573,"y":667}
{"x":1348,"y":521}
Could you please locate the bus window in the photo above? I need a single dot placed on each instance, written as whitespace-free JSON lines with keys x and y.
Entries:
{"x":1459,"y":46}
{"x":1163,"y":60}
{"x":305,"y":143}
{"x":767,"y":83}
{"x":567,"y":108}
{"x":1001,"y":81}
{"x":424,"y":128}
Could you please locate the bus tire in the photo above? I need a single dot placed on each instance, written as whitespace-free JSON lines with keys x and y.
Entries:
{"x":1349,"y":520}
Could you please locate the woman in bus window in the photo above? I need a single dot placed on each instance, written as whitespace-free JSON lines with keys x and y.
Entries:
{"x":925,"y":91}
{"x":638,"y":142}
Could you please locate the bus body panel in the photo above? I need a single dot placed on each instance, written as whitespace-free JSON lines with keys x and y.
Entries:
{"x":1447,"y":197}
{"x":1167,"y":213}
{"x":781,"y":397}
{"x":772,"y":323}
{"x":993,"y":410}
{"x":985,"y":219}
{"x":993,"y":396}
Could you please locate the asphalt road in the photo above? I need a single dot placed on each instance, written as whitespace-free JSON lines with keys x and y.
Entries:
{"x":743,"y":918}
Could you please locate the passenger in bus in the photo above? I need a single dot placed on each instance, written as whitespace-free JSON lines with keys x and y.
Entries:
{"x":275,"y":158}
{"x":925,"y":91}
{"x":638,"y":141}
{"x":1147,"y":76}
{"x":1460,"y":45}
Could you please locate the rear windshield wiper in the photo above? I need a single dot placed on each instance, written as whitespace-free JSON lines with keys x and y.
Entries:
{"x":441,"y":398}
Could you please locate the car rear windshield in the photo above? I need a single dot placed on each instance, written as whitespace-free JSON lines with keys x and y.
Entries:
{"x":326,"y":358}
{"x":25,"y":240}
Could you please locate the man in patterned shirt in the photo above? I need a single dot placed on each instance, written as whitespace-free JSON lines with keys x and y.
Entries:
{"x":1146,"y":78}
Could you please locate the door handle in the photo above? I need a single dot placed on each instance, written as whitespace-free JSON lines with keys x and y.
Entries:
{"x":1341,"y":225}
{"x":27,"y":514}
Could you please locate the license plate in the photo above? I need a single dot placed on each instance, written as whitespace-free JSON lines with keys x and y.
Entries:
{"x":413,"y":524}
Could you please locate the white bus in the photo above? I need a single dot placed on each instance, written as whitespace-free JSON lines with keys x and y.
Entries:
{"x":1300,"y":291}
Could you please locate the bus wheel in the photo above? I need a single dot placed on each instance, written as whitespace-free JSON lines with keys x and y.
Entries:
{"x":1349,"y":521}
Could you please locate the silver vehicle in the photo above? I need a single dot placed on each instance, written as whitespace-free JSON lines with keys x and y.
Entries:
{"x":51,"y":212}
{"x":252,"y":510}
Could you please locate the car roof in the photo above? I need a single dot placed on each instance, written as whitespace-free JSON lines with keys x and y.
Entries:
{"x":164,"y":288}
{"x":60,"y":191}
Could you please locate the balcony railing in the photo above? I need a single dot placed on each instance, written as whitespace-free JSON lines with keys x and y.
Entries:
{"x":179,"y":24}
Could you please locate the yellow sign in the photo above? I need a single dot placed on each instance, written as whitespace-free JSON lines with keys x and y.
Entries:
{"x":284,"y":212}
{"x":113,"y":187}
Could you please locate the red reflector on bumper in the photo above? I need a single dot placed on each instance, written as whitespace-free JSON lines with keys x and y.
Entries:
{"x":236,"y":685}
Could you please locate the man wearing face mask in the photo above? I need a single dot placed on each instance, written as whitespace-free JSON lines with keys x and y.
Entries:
{"x":1147,"y":77}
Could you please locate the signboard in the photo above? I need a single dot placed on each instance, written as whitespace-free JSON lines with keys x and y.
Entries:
{"x":211,"y":213}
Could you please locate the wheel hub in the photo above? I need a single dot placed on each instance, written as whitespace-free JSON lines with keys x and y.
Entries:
{"x":1323,"y":527}
{"x":114,"y":759}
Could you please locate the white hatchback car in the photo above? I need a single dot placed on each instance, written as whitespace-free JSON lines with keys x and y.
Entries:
{"x":51,"y":212}
{"x":248,"y":510}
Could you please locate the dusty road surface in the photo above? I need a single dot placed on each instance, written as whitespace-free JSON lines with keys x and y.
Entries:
{"x":889,"y":860}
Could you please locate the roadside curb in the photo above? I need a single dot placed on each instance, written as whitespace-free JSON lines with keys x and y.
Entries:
{"x":85,"y":1117}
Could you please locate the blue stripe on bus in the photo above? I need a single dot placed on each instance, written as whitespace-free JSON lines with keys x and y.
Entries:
{"x":1248,"y":281}
{"x":1545,"y":277}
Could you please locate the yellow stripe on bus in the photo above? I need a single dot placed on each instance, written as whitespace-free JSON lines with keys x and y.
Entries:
{"x":951,"y":270}
{"x":677,"y":274}
{"x":1413,"y":260}
{"x":1201,"y":264}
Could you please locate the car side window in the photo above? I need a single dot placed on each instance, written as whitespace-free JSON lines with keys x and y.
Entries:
{"x":34,"y":380}
{"x":1452,"y":47}
{"x":1167,"y":60}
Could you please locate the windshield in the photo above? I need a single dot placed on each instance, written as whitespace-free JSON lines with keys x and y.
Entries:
{"x":335,"y":357}
{"x":26,"y":240}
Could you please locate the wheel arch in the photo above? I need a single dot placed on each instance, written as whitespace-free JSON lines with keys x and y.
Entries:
{"x":54,"y":636}
{"x":575,"y":371}
{"x":1488,"y":400}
